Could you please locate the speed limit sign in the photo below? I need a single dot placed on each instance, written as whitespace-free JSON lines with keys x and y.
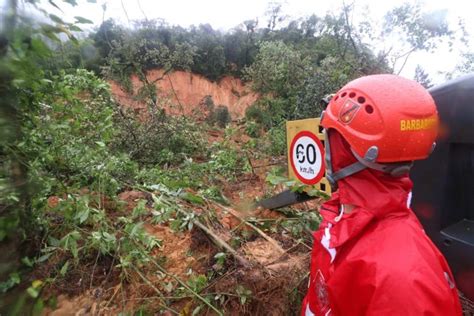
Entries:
{"x":307,"y":157}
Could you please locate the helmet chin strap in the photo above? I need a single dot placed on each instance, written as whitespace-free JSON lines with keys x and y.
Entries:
{"x":394,"y":169}
{"x":368,"y":161}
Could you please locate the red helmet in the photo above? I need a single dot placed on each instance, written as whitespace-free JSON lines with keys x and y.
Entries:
{"x":388,"y":121}
{"x":396,"y":115}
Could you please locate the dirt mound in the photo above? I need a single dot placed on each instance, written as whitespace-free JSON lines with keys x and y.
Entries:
{"x":183,"y":93}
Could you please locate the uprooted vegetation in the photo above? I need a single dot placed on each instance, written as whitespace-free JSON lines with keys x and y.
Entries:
{"x":152,"y":214}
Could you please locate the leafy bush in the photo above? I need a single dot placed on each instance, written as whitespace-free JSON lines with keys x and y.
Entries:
{"x":269,"y":111}
{"x":276,"y":137}
{"x":228,"y":161}
{"x":222,"y":116}
{"x":252,"y":129}
{"x":65,"y":144}
{"x":219,"y":116}
{"x":86,"y":230}
{"x":209,"y":103}
{"x":189,"y":174}
{"x":257,"y":114}
{"x":157,"y":138}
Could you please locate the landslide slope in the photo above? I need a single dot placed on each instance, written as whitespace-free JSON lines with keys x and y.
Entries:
{"x":184,"y":92}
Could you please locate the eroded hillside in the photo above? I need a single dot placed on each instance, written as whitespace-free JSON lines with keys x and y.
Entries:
{"x":185,"y":93}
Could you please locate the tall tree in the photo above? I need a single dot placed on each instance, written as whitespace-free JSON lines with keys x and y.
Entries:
{"x":414,"y":29}
{"x":464,"y":67}
{"x":422,"y":77}
{"x":274,"y":14}
{"x":210,"y":54}
{"x":278,"y":69}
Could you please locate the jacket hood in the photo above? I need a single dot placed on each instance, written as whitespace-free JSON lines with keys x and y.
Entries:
{"x":374,"y":194}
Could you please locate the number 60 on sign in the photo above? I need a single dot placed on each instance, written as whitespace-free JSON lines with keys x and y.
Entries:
{"x":307,"y":157}
{"x":304,"y":139}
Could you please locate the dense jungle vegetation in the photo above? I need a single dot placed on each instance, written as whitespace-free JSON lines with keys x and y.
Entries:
{"x":95,"y":201}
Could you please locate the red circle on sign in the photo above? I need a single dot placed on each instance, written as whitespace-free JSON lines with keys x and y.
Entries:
{"x":320,"y":174}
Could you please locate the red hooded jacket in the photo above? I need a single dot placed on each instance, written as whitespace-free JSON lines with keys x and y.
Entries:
{"x":376,"y":260}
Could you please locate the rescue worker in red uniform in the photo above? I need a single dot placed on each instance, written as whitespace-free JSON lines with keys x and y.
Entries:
{"x":370,"y":254}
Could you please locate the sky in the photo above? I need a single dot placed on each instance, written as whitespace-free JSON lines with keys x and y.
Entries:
{"x":224,"y":15}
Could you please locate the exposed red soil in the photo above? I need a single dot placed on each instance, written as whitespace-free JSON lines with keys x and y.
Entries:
{"x":176,"y":250}
{"x":131,"y":198}
{"x":78,"y":306}
{"x":182,"y":93}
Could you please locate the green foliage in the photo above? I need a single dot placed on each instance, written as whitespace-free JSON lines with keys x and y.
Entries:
{"x":240,"y":46}
{"x":301,"y":222}
{"x":157,"y":138}
{"x":184,"y":176}
{"x":64,"y":141}
{"x":154,"y":43}
{"x":13,"y":279}
{"x":308,"y":41}
{"x":328,"y":78}
{"x":277,"y":139}
{"x":298,"y":222}
{"x":109,"y":32}
{"x":228,"y":162}
{"x":258,"y":114}
{"x":252,"y":128}
{"x":43,"y":111}
{"x":215,"y":194}
{"x":422,"y":77}
{"x":244,"y":294}
{"x":219,"y":116}
{"x":198,"y":282}
{"x":276,"y":178}
{"x":71,"y":55}
{"x":136,"y":54}
{"x":210,"y":56}
{"x":278,"y":69}
{"x":268,"y":114}
{"x":220,"y":258}
{"x":167,"y":209}
{"x":86,"y":230}
{"x":209,"y":103}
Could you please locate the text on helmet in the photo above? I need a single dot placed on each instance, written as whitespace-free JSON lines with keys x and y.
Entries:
{"x":418,"y":124}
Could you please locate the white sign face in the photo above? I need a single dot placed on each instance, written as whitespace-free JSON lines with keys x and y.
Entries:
{"x":307,"y":157}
